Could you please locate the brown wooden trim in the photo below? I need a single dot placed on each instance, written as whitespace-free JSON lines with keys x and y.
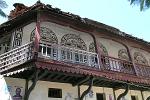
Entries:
{"x":124,"y":93}
{"x":88,"y":89}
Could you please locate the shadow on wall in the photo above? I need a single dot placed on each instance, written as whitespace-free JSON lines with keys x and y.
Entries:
{"x":9,"y":92}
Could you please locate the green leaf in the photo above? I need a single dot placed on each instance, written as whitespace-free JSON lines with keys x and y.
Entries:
{"x":2,"y":13}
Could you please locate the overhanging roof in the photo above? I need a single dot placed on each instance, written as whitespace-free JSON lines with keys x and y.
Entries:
{"x":92,"y":23}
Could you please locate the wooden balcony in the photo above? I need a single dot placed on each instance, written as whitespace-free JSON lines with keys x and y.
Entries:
{"x":15,"y":57}
{"x":22,"y":54}
{"x":143,"y":70}
{"x":117,"y":65}
{"x":68,"y":55}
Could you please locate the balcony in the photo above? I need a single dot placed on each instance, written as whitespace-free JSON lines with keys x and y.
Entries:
{"x":15,"y":57}
{"x":69,"y":55}
{"x":117,"y":65}
{"x":22,"y":54}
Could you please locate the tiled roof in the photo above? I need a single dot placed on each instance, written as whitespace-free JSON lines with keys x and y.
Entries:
{"x":21,"y":9}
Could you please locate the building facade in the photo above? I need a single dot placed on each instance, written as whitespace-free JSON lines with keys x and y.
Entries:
{"x":75,"y":59}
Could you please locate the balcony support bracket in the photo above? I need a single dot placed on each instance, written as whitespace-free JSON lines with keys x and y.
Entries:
{"x":148,"y":98}
{"x":88,"y":89}
{"x":35,"y":78}
{"x":124,"y":93}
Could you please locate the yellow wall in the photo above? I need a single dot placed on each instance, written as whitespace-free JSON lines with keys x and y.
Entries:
{"x":41,"y":90}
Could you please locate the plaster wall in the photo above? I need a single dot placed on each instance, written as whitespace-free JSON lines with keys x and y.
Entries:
{"x":27,"y":32}
{"x":111,"y":46}
{"x":59,"y":30}
{"x":40,"y":91}
{"x":130,"y":93}
{"x":144,"y":53}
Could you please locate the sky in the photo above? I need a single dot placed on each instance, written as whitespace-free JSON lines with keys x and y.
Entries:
{"x":117,"y":13}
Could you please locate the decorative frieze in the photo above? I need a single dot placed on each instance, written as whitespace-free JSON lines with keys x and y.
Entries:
{"x":73,"y":41}
{"x":47,"y":35}
{"x":123,"y":54}
{"x":140,"y":59}
{"x":92,"y":47}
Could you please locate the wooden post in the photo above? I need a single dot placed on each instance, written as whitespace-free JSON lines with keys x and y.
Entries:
{"x":34,"y":81}
{"x":114,"y":94}
{"x":142,"y":95}
{"x":124,"y":93}
{"x":89,"y":88}
{"x":78,"y":92}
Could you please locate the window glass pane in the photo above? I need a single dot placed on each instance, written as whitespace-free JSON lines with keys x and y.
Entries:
{"x":76,"y":57}
{"x":44,"y":50}
{"x":63,"y":54}
{"x":100,"y":96}
{"x":134,"y":97}
{"x":55,"y":93}
{"x":48,"y":51}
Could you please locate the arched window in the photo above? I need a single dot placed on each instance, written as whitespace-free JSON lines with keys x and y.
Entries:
{"x":73,"y":41}
{"x":46,"y":34}
{"x":140,"y":59}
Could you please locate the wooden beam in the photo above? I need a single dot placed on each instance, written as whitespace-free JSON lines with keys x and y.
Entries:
{"x":78,"y":92}
{"x":81,"y":81}
{"x":114,"y":94}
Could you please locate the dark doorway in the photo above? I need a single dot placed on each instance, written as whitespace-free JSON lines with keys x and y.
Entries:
{"x":133,"y":98}
{"x":100,"y":96}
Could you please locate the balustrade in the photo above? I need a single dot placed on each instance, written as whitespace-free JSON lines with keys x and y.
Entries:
{"x":66,"y":54}
{"x":114,"y":64}
{"x":23,"y":53}
{"x":143,"y":70}
{"x":15,"y":57}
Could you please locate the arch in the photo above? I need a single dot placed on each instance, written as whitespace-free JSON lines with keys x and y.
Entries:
{"x":73,"y":41}
{"x":103,"y":49}
{"x":92,"y":47}
{"x":123,"y":54}
{"x":115,"y":40}
{"x":47,"y":35}
{"x":140,"y":59}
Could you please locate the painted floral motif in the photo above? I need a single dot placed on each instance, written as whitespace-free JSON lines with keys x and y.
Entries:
{"x":140,"y":59}
{"x":103,"y":49}
{"x":92,"y":47}
{"x":73,"y":41}
{"x":46,"y":34}
{"x":123,"y":54}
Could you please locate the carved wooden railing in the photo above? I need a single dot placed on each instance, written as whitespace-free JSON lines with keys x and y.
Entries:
{"x":15,"y":57}
{"x":115,"y":64}
{"x":23,"y":54}
{"x":142,"y":70}
{"x":70,"y":55}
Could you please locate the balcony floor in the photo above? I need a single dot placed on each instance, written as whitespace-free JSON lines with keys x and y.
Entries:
{"x":63,"y":74}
